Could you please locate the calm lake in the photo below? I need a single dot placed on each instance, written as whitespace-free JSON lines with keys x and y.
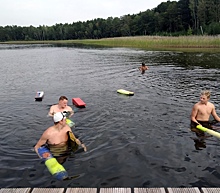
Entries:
{"x":133,"y":141}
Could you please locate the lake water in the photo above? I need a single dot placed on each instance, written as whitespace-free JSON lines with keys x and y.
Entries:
{"x":133,"y":141}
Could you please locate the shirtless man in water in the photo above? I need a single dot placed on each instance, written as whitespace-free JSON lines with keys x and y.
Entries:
{"x":57,"y":134}
{"x":202,"y":110}
{"x":143,"y":68}
{"x":61,"y":107}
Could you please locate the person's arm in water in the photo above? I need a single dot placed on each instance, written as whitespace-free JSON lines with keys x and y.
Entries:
{"x":41,"y":142}
{"x":78,"y":141}
{"x":71,"y":112}
{"x":214,"y":114}
{"x":51,"y":112}
{"x":194,"y":113}
{"x":81,"y":144}
{"x":68,"y":114}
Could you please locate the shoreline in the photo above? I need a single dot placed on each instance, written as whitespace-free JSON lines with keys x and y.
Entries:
{"x":155,"y":43}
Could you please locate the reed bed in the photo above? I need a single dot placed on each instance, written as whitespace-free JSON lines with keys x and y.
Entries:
{"x":186,"y":43}
{"x":159,"y":42}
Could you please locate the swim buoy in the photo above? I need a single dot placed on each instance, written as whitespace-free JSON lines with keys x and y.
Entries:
{"x":56,"y":169}
{"x":69,"y":122}
{"x":125,"y":92}
{"x":214,"y":133}
{"x":78,"y":102}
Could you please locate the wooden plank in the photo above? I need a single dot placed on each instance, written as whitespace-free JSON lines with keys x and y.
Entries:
{"x":210,"y":190}
{"x":149,"y":190}
{"x":81,"y":190}
{"x":183,"y":190}
{"x":48,"y":190}
{"x":15,"y":190}
{"x":115,"y":190}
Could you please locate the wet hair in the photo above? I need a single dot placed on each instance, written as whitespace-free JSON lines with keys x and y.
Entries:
{"x":63,"y":98}
{"x":206,"y":93}
{"x":143,"y":64}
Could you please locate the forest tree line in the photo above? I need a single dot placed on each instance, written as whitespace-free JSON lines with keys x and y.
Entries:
{"x":171,"y":18}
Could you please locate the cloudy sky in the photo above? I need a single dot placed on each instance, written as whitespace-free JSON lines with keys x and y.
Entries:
{"x":50,"y":12}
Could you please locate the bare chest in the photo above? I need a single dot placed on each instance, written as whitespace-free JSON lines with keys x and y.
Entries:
{"x":57,"y":137}
{"x":205,"y":110}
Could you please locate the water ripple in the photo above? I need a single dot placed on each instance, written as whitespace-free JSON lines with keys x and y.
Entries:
{"x":137,"y":141}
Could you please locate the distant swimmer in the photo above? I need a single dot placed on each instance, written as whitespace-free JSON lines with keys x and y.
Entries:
{"x":143,"y":68}
{"x":61,"y":107}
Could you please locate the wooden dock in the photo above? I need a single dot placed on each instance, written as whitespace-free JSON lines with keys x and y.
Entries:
{"x":110,"y":190}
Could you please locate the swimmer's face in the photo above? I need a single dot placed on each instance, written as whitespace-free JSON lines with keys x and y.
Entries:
{"x":63,"y":103}
{"x":203,"y":99}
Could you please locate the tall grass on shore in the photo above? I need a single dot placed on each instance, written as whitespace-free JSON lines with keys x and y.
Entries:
{"x":158,"y":42}
{"x":144,"y":42}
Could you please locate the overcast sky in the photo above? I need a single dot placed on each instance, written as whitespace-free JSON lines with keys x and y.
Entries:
{"x":50,"y":12}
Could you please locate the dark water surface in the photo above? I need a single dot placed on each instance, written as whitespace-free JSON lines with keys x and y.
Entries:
{"x":138,"y":141}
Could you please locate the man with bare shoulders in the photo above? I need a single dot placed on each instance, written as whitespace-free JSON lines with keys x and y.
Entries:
{"x":202,"y":110}
{"x":57,"y":134}
{"x":61,"y":107}
{"x":143,"y":68}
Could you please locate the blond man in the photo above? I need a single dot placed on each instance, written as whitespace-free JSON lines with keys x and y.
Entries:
{"x":202,"y":111}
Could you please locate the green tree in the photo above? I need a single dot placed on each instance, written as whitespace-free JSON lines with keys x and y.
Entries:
{"x":184,"y":14}
{"x":193,"y":5}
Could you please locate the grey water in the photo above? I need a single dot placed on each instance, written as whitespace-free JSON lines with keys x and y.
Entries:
{"x":133,"y":141}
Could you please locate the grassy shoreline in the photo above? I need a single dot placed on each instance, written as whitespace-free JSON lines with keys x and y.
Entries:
{"x":181,"y":43}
